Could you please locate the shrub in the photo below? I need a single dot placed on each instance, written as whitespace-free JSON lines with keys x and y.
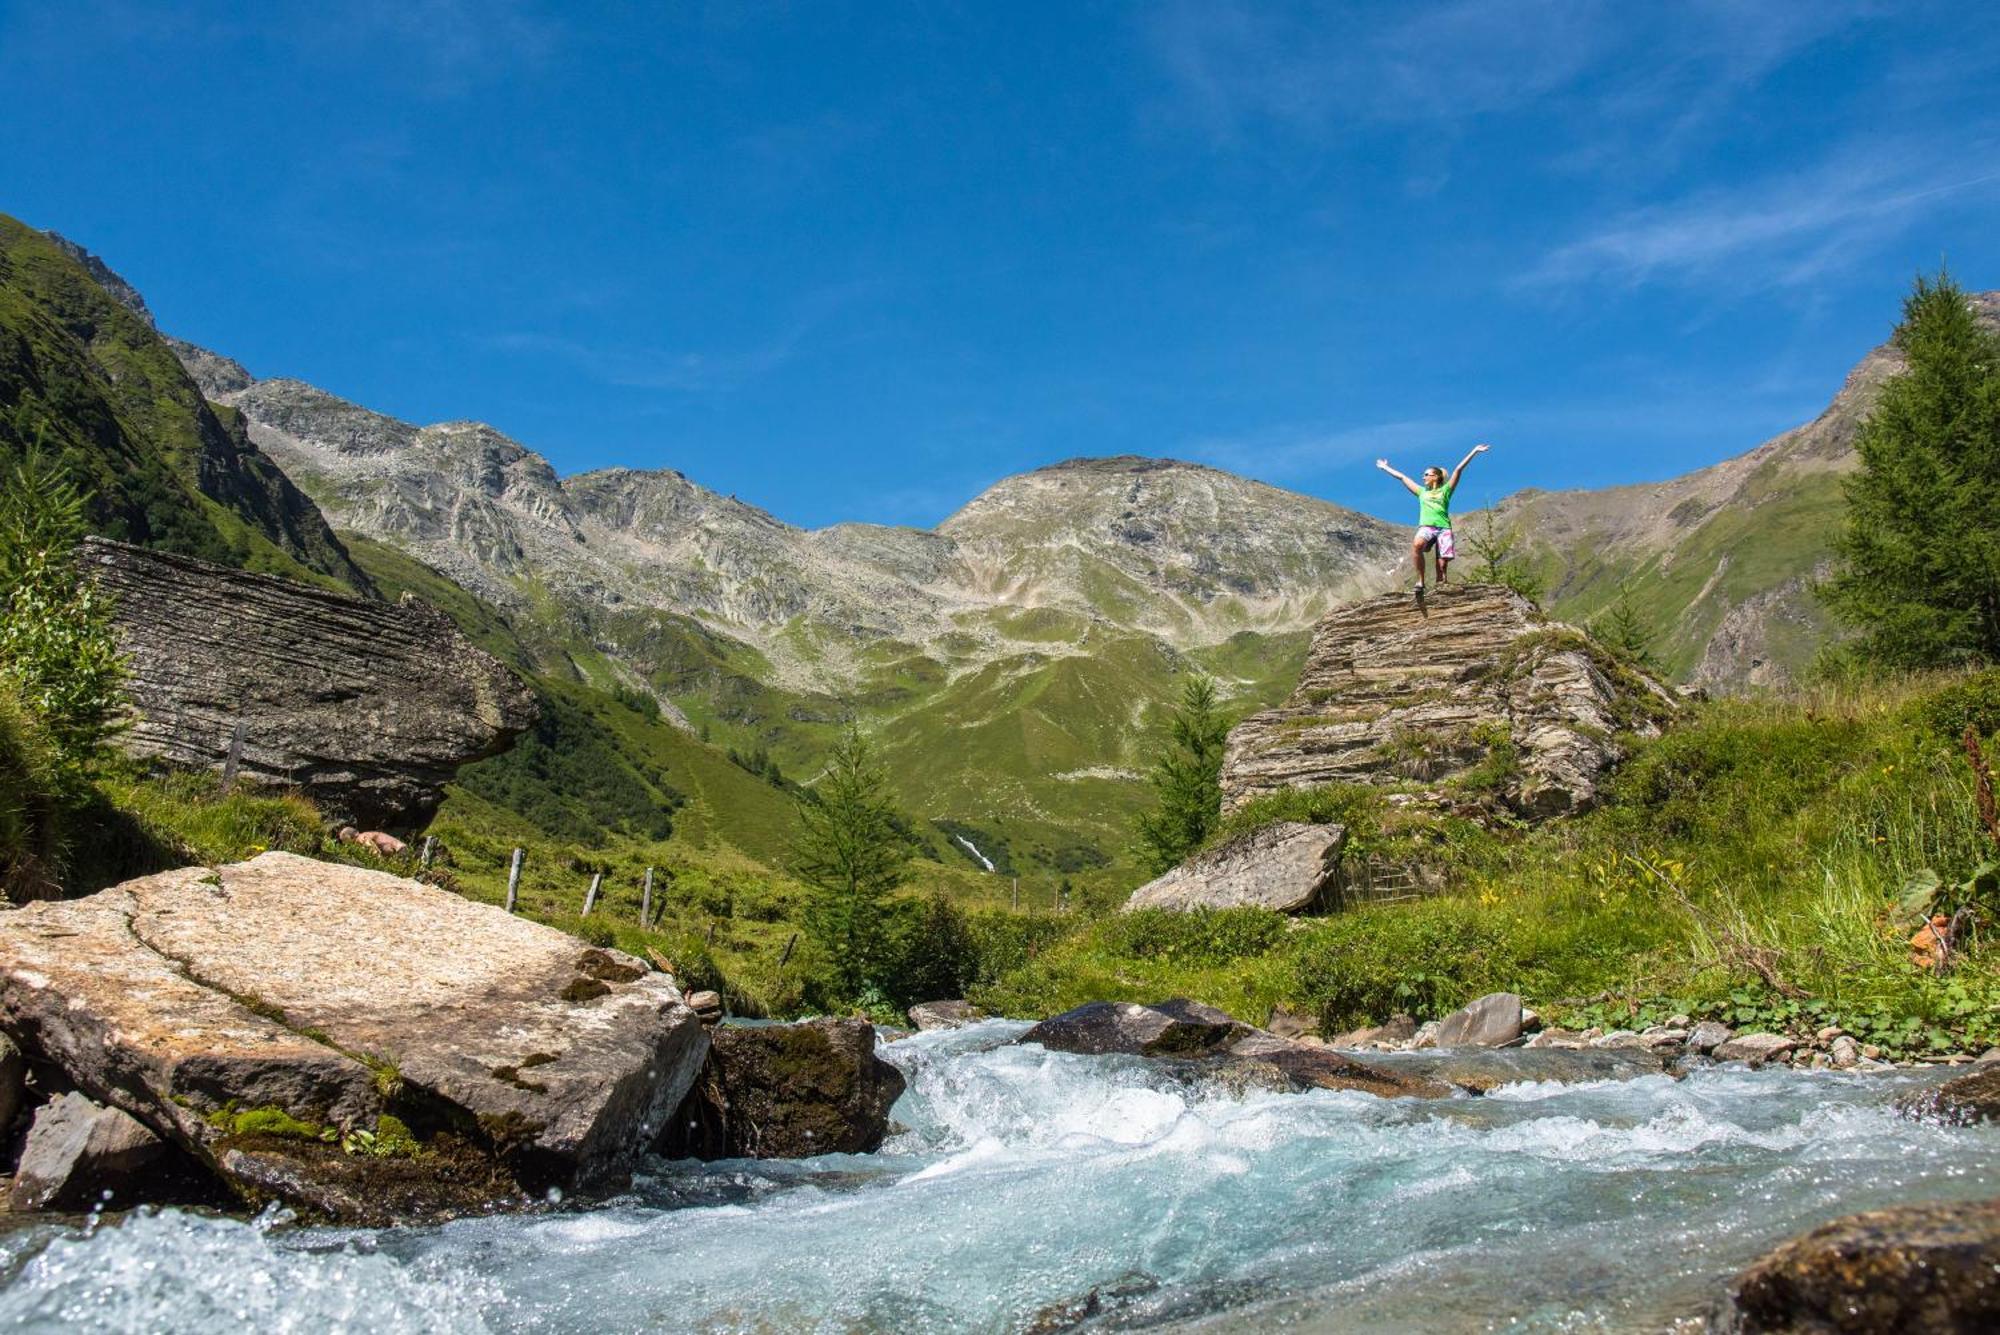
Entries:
{"x":57,"y":650}
{"x":31,"y":810}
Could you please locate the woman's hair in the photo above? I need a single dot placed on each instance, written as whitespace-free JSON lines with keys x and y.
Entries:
{"x":1434,"y":469}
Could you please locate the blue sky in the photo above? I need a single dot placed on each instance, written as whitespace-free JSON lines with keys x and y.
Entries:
{"x":859,"y":261}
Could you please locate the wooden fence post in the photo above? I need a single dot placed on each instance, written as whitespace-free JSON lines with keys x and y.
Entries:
{"x":786,"y":958}
{"x":1017,"y":894}
{"x":514,"y":881}
{"x":646,"y":899}
{"x":590,"y":895}
{"x":234,"y":759}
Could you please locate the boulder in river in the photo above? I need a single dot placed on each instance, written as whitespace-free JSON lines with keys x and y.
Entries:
{"x":1169,"y":1028}
{"x":1961,"y":1102}
{"x":787,"y":1091}
{"x":928,"y":1015}
{"x":1483,"y":1069}
{"x":1910,"y":1268}
{"x":291,"y":1022}
{"x":79,"y":1154}
{"x":1289,"y":866}
{"x":369,"y":707}
{"x":1493,"y":1021}
{"x":1204,"y":1043}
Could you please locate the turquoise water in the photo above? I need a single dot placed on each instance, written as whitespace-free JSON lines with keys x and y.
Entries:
{"x":1026,"y":1180}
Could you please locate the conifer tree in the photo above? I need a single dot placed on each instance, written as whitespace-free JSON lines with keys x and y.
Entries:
{"x":1919,"y":559}
{"x":1186,"y":780}
{"x":1624,"y":632}
{"x":852,"y":855}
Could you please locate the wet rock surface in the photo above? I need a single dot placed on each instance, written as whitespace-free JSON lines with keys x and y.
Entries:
{"x":787,"y":1091}
{"x":270,"y":1007}
{"x":1290,"y":867}
{"x":1912,"y":1268}
{"x":1961,"y":1102}
{"x":928,"y":1015}
{"x":1394,"y":691}
{"x":1206,"y":1044}
{"x":1483,"y":1069}
{"x":369,"y":707}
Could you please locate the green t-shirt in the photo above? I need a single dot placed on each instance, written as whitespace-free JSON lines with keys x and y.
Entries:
{"x":1434,"y":506}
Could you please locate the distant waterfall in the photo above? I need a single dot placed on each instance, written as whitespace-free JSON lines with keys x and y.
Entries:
{"x":973,"y":849}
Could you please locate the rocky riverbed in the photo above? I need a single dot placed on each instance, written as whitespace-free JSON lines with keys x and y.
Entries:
{"x":1037,"y":1190}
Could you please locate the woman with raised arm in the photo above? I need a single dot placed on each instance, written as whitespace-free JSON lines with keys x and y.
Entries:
{"x":1433,"y":512}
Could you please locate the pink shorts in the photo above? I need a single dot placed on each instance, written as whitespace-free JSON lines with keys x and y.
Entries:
{"x":1441,"y":538}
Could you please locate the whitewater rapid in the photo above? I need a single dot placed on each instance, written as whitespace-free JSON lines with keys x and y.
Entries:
{"x":1026,"y":1180}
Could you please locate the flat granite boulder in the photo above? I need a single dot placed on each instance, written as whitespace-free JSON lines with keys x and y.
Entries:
{"x":1910,"y":1268}
{"x":1290,"y":867}
{"x":787,"y":1091}
{"x":255,"y":1012}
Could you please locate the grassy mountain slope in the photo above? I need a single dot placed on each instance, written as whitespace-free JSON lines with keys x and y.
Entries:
{"x":91,"y":381}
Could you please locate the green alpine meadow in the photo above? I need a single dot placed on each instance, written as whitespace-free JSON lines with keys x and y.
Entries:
{"x":1190,"y":666}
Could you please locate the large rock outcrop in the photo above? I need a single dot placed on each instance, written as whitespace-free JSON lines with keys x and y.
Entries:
{"x":370,"y":707}
{"x":1472,"y":689}
{"x":350,"y":1042}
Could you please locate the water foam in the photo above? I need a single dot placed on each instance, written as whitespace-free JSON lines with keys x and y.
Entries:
{"x":1029,"y":1179}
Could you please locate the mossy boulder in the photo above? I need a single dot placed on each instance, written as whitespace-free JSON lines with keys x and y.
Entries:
{"x":787,"y":1091}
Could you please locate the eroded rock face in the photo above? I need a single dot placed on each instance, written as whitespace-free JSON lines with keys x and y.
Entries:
{"x":369,"y":707}
{"x":1912,"y":1268}
{"x":1289,"y":867}
{"x":1397,"y":692}
{"x":787,"y":1091}
{"x":334,"y":995}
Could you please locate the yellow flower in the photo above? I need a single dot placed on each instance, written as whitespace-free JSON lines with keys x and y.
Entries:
{"x":1488,"y":898}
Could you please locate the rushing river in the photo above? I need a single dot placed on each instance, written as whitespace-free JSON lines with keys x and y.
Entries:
{"x":1026,"y":1180}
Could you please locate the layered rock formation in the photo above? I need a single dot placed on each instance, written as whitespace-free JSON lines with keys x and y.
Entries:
{"x":1472,"y":688}
{"x":369,"y":707}
{"x":356,"y":1044}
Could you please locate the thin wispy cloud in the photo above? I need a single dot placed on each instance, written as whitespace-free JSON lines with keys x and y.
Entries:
{"x":1319,"y":69}
{"x":1790,"y":230}
{"x":688,"y":371}
{"x":1294,"y":453}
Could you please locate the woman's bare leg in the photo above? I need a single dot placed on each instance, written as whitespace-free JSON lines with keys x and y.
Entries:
{"x":1417,"y":559}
